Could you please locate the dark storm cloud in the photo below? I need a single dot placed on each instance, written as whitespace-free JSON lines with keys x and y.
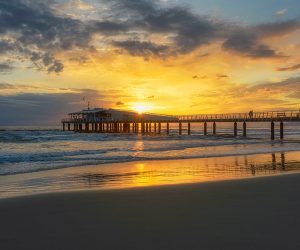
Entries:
{"x":39,"y":33}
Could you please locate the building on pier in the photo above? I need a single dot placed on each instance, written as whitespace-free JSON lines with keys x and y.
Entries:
{"x":113,"y":115}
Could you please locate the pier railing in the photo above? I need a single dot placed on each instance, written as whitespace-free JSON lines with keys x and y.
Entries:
{"x":251,"y":116}
{"x":276,"y":115}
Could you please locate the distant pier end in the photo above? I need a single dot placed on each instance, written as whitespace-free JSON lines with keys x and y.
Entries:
{"x":100,"y":120}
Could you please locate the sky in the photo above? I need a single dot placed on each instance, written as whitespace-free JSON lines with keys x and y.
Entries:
{"x":159,"y":56}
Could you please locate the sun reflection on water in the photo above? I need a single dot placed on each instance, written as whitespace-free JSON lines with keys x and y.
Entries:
{"x":149,"y":173}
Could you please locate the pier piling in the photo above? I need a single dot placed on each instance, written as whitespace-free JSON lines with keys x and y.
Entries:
{"x":168,"y":128}
{"x":272,"y":130}
{"x":205,"y":128}
{"x":180,"y":128}
{"x":214,"y":128}
{"x":235,"y":128}
{"x":189,"y":128}
{"x":244,"y":129}
{"x":281,"y":130}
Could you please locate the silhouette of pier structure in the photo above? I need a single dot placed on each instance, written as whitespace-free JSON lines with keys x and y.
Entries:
{"x":116,"y":121}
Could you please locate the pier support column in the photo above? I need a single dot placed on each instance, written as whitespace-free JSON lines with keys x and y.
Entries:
{"x":235,"y":128}
{"x":180,"y":128}
{"x":189,"y":128}
{"x":69,"y":126}
{"x":74,"y":126}
{"x":168,"y":128}
{"x":159,"y":128}
{"x":273,"y":161}
{"x":150,"y":127}
{"x":64,"y":127}
{"x":244,"y":129}
{"x":272,"y":130}
{"x":87,"y":127}
{"x":283,"y":161}
{"x":80,"y":127}
{"x":155,"y":127}
{"x":205,"y":128}
{"x":214,"y":128}
{"x":281,"y":130}
{"x":143,"y":128}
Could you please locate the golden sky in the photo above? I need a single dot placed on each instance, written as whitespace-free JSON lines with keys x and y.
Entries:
{"x":170,"y":57}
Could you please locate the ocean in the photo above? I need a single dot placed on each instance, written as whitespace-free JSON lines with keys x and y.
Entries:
{"x":34,"y":150}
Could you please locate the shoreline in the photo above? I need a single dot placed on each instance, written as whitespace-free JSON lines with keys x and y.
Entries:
{"x":148,"y":173}
{"x":252,"y":213}
{"x":133,"y":188}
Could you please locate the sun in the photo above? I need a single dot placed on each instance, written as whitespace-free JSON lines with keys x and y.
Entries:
{"x":140,"y":108}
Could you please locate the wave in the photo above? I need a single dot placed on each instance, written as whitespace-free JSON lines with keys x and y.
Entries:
{"x":26,"y":151}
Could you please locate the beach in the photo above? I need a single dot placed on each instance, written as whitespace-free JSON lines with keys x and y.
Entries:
{"x":254,"y":213}
{"x":101,"y":191}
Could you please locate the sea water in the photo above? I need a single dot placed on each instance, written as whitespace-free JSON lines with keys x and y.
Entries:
{"x":37,"y":150}
{"x":24,"y":150}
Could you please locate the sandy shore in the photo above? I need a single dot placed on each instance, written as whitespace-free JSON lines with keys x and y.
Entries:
{"x":258,"y":213}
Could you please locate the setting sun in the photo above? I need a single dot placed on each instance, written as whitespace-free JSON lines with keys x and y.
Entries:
{"x":140,"y":108}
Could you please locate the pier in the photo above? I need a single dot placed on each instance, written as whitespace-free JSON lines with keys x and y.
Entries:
{"x":114,"y":121}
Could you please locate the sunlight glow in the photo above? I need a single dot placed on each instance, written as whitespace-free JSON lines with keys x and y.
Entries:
{"x":140,"y":108}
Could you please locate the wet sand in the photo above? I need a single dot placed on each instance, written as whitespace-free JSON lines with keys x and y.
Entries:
{"x":256,"y":213}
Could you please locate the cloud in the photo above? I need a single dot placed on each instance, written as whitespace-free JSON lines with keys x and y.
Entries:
{"x":277,"y":28}
{"x":248,"y":44}
{"x":281,"y":12}
{"x":6,"y":67}
{"x":288,"y":88}
{"x":33,"y":30}
{"x":120,"y":103}
{"x":291,"y":68}
{"x":144,"y":49}
{"x":39,"y":32}
{"x":222,"y":76}
{"x":43,"y":108}
{"x":21,"y":87}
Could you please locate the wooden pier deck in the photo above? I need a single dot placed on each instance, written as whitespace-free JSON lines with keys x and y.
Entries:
{"x":143,"y":125}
